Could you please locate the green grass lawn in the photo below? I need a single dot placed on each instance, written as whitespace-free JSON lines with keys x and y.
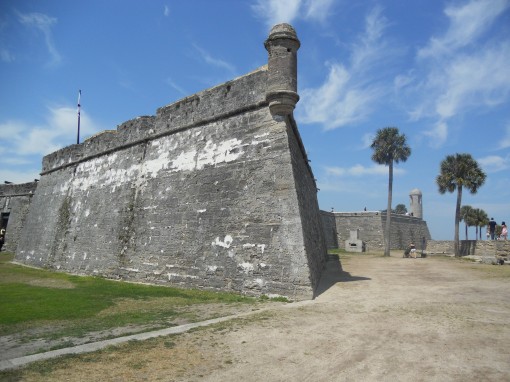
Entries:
{"x":36,"y":297}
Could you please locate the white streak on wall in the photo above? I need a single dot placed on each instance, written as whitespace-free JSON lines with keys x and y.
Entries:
{"x":246,"y":267}
{"x":222,"y":152}
{"x":170,"y":275}
{"x":130,"y":269}
{"x":185,"y":161}
{"x":225,"y":243}
{"x":105,"y":171}
{"x":256,"y":142}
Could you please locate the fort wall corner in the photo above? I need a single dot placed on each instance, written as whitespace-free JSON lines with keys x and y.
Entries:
{"x":212,"y":192}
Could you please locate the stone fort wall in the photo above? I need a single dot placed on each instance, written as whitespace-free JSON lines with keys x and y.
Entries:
{"x":213,"y":192}
{"x":15,"y":200}
{"x":404,"y":229}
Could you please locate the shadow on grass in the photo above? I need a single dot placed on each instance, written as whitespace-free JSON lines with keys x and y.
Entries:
{"x":333,"y":273}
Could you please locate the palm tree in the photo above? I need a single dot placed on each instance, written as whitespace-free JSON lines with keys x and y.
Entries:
{"x":459,"y":171}
{"x":481,"y":219}
{"x":467,"y":214}
{"x":389,"y":147}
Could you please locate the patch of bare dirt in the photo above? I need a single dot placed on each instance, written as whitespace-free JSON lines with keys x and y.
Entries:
{"x":377,"y":319}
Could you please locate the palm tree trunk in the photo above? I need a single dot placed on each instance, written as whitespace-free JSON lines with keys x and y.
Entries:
{"x":457,"y":220}
{"x":388,"y":213}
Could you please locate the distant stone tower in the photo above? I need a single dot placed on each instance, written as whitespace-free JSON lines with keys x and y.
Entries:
{"x":416,"y":205}
{"x":282,"y":46}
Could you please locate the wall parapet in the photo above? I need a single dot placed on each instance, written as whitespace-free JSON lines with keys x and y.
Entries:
{"x":21,"y":189}
{"x":203,"y":108}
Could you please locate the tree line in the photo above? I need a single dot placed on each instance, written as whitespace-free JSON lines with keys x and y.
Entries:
{"x":457,"y":172}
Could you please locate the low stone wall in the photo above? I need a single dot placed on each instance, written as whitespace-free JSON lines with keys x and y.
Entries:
{"x":485,"y":248}
{"x":15,"y":201}
{"x":370,"y":224}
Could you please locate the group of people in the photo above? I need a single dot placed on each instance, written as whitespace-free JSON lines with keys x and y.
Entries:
{"x":491,"y":231}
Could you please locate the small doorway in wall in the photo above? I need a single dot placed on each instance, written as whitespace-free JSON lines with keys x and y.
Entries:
{"x":4,"y":220}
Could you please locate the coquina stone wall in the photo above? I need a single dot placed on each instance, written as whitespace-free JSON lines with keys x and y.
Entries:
{"x":213,"y":192}
{"x":404,"y":229}
{"x":471,"y":247}
{"x":15,"y":200}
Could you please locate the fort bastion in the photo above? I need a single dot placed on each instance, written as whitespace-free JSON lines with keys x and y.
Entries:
{"x":214,"y":192}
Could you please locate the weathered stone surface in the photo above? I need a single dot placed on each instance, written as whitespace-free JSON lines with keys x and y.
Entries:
{"x":212,"y":192}
{"x":15,"y":201}
{"x":484,"y":248}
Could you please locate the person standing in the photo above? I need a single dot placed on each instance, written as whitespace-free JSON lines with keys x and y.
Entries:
{"x":492,"y":228}
{"x":504,"y":231}
{"x":2,"y":238}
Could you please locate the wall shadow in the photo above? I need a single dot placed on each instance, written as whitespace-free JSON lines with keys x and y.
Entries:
{"x":332,"y":274}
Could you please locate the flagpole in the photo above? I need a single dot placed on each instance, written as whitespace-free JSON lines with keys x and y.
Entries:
{"x":78,"y":137}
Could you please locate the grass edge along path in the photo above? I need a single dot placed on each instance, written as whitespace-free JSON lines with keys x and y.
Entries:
{"x":33,"y":298}
{"x":95,"y":346}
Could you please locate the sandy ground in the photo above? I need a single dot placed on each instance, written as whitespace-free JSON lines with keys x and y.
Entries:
{"x":376,"y":319}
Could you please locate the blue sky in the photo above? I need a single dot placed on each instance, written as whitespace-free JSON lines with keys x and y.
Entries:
{"x":437,"y":70}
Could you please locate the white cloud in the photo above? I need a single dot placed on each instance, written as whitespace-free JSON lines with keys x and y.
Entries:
{"x":338,"y":102}
{"x":464,"y":71}
{"x":214,"y":61}
{"x":367,"y":140}
{"x":467,"y":23}
{"x":23,"y":139}
{"x":318,"y":9}
{"x":286,"y":11}
{"x":437,"y":134}
{"x":6,"y":56}
{"x":370,"y":46}
{"x":179,"y":89}
{"x":401,"y":81}
{"x":166,"y":11}
{"x":22,"y":144}
{"x":504,"y":142}
{"x":494,"y":163}
{"x":277,"y":11}
{"x":348,"y":95}
{"x":360,"y":170}
{"x":479,"y":80}
{"x":44,"y":24}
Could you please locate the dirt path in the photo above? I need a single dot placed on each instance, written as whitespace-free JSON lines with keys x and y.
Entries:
{"x":390,"y":320}
{"x":378,"y":319}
